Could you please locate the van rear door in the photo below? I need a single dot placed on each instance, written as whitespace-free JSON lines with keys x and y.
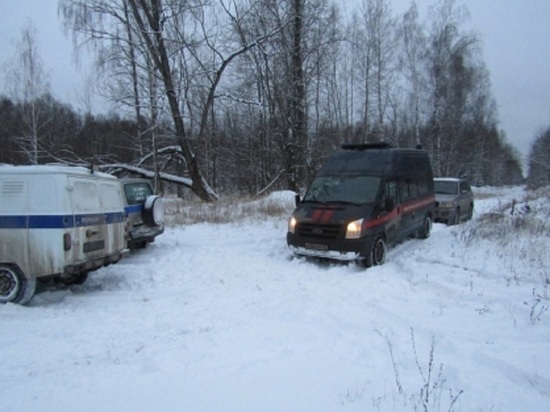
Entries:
{"x":89,"y":231}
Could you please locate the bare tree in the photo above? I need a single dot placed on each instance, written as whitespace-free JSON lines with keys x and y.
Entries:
{"x":29,"y":86}
{"x":412,"y":58}
{"x":539,"y":163}
{"x":172,"y":42}
{"x":449,"y":69}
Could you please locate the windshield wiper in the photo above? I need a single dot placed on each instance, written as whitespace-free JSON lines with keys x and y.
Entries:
{"x":312,"y":200}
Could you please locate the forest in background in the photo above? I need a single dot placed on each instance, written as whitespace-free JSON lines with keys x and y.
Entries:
{"x":246,"y":96}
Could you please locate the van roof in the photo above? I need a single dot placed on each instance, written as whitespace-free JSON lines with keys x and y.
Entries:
{"x":51,"y":169}
{"x":377,"y":161}
{"x":447,"y":179}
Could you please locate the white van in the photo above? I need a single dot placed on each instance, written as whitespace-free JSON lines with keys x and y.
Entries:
{"x":57,"y":221}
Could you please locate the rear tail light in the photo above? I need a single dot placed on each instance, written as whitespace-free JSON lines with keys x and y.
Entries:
{"x":67,"y":241}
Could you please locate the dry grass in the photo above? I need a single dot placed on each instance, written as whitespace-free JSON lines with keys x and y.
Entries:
{"x":521,"y":231}
{"x":227,"y":210}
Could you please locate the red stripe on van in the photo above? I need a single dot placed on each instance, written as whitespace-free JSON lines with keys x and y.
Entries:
{"x":322,"y":216}
{"x":418,"y":204}
{"x":383,"y":219}
{"x":326,"y":216}
{"x":317,"y":214}
{"x":405,"y":208}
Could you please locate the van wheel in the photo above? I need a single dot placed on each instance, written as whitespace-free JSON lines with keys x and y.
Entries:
{"x":153,"y":211}
{"x":14,"y":286}
{"x":426,"y":229}
{"x":377,"y":255}
{"x":75,"y":279}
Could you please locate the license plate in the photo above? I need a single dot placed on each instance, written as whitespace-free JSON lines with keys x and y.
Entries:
{"x":316,"y":246}
{"x":93,"y":246}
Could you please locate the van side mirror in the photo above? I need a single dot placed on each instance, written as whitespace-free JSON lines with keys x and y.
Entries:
{"x":297,"y":199}
{"x":390,"y":204}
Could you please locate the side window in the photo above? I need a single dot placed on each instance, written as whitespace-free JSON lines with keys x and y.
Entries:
{"x":85,"y":196}
{"x":413,"y":187}
{"x":391,"y":190}
{"x":423,"y":185}
{"x":404,"y":190}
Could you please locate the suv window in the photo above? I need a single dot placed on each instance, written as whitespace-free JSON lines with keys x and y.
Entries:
{"x":444,"y":187}
{"x":137,"y":192}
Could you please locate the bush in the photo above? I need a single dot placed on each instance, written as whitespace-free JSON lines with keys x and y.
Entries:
{"x":521,"y":231}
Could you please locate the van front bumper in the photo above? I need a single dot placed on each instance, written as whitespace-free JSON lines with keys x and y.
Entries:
{"x":326,"y":254}
{"x":336,"y":249}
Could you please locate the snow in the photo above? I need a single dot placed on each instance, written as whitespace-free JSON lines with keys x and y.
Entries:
{"x":221,"y":317}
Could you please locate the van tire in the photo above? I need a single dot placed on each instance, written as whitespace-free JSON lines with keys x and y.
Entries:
{"x":14,"y":286}
{"x":153,"y":211}
{"x":377,"y":254}
{"x":426,"y":229}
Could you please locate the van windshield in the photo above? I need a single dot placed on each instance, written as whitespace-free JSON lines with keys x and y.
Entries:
{"x":346,"y":189}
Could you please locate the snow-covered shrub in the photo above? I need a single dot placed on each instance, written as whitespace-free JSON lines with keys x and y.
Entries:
{"x":520,"y":231}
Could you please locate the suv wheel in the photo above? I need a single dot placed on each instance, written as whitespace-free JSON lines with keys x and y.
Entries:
{"x":471,"y":212}
{"x":456,"y":218}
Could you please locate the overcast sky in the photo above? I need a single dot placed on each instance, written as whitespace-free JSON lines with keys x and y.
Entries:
{"x":515,"y":35}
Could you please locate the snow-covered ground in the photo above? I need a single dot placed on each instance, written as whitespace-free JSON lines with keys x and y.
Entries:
{"x":221,"y":317}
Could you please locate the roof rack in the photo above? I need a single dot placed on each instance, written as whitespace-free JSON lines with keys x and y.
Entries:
{"x":366,"y":146}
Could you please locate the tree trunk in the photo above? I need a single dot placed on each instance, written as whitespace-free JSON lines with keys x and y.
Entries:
{"x":162,"y":63}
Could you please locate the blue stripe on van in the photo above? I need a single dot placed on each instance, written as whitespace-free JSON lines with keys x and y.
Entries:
{"x":13,"y":222}
{"x":138,"y":208}
{"x":50,"y":222}
{"x":59,"y":221}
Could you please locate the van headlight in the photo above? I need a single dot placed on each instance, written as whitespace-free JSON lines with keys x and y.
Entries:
{"x":353,"y":231}
{"x":292,"y":224}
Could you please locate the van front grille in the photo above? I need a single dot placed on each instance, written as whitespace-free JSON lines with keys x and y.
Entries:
{"x":312,"y":230}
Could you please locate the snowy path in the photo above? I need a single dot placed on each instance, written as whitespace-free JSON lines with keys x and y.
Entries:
{"x":223,"y":318}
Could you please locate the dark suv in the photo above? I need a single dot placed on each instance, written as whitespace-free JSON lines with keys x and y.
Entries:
{"x":454,"y":200}
{"x":145,"y":212}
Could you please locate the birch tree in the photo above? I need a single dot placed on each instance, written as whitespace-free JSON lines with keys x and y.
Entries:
{"x":29,"y":86}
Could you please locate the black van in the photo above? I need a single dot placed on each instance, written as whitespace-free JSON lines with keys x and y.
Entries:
{"x":363,"y":198}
